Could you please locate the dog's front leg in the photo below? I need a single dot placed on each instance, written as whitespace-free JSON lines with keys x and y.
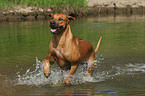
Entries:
{"x":46,"y":67}
{"x":71,"y":73}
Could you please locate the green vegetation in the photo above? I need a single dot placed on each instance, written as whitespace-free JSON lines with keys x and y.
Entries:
{"x":43,"y":3}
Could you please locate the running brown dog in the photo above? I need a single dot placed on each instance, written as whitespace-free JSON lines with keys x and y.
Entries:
{"x":66,"y":49}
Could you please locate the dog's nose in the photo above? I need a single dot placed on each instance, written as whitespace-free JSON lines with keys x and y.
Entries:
{"x":52,"y":23}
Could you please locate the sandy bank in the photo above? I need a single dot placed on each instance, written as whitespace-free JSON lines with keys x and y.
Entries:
{"x":118,"y":3}
{"x":116,"y":7}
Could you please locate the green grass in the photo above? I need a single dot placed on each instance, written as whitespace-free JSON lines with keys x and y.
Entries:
{"x":43,"y":3}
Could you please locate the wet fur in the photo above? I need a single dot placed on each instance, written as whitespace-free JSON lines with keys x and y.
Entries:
{"x":68,"y":50}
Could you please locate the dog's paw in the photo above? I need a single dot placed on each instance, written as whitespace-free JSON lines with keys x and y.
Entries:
{"x":67,"y":81}
{"x":46,"y":75}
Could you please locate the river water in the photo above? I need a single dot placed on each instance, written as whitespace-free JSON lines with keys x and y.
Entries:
{"x":120,"y":60}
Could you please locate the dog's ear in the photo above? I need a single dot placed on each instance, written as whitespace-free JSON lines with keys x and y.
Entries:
{"x":71,"y":18}
{"x":50,"y":16}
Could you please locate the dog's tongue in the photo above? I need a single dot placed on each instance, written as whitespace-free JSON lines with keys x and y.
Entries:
{"x":53,"y":30}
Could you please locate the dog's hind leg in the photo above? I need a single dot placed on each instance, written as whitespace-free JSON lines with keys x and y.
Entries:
{"x":91,"y":64}
{"x":71,"y":73}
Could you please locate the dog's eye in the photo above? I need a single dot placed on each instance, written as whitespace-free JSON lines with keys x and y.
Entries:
{"x":60,"y":19}
{"x":51,"y":18}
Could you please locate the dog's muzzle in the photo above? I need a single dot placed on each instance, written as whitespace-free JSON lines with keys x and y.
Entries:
{"x":55,"y":28}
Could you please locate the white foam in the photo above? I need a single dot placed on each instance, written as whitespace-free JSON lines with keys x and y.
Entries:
{"x":58,"y":76}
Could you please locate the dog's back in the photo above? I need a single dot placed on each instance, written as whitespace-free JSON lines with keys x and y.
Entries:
{"x":85,"y":49}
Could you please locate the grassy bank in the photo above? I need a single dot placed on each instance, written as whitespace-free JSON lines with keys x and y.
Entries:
{"x":17,"y":10}
{"x":43,"y":3}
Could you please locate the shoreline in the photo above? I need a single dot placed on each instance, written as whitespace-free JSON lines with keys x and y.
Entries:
{"x":116,"y":7}
{"x":126,"y":11}
{"x":95,"y":8}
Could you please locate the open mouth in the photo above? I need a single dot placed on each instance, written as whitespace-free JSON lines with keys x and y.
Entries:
{"x":55,"y":30}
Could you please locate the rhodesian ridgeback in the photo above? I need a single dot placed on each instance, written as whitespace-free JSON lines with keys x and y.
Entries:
{"x":67,"y":50}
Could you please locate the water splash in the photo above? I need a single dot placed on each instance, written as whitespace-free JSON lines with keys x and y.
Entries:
{"x":133,"y":68}
{"x":34,"y":77}
{"x":58,"y":76}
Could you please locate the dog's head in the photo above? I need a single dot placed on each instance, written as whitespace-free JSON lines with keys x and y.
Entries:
{"x":58,"y":22}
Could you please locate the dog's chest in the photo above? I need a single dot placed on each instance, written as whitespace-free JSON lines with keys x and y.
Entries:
{"x":63,"y":54}
{"x":58,"y":53}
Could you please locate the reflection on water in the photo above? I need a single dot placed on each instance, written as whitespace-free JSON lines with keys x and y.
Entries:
{"x":120,"y":63}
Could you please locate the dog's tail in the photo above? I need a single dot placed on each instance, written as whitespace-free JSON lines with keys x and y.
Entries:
{"x":98,"y":44}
